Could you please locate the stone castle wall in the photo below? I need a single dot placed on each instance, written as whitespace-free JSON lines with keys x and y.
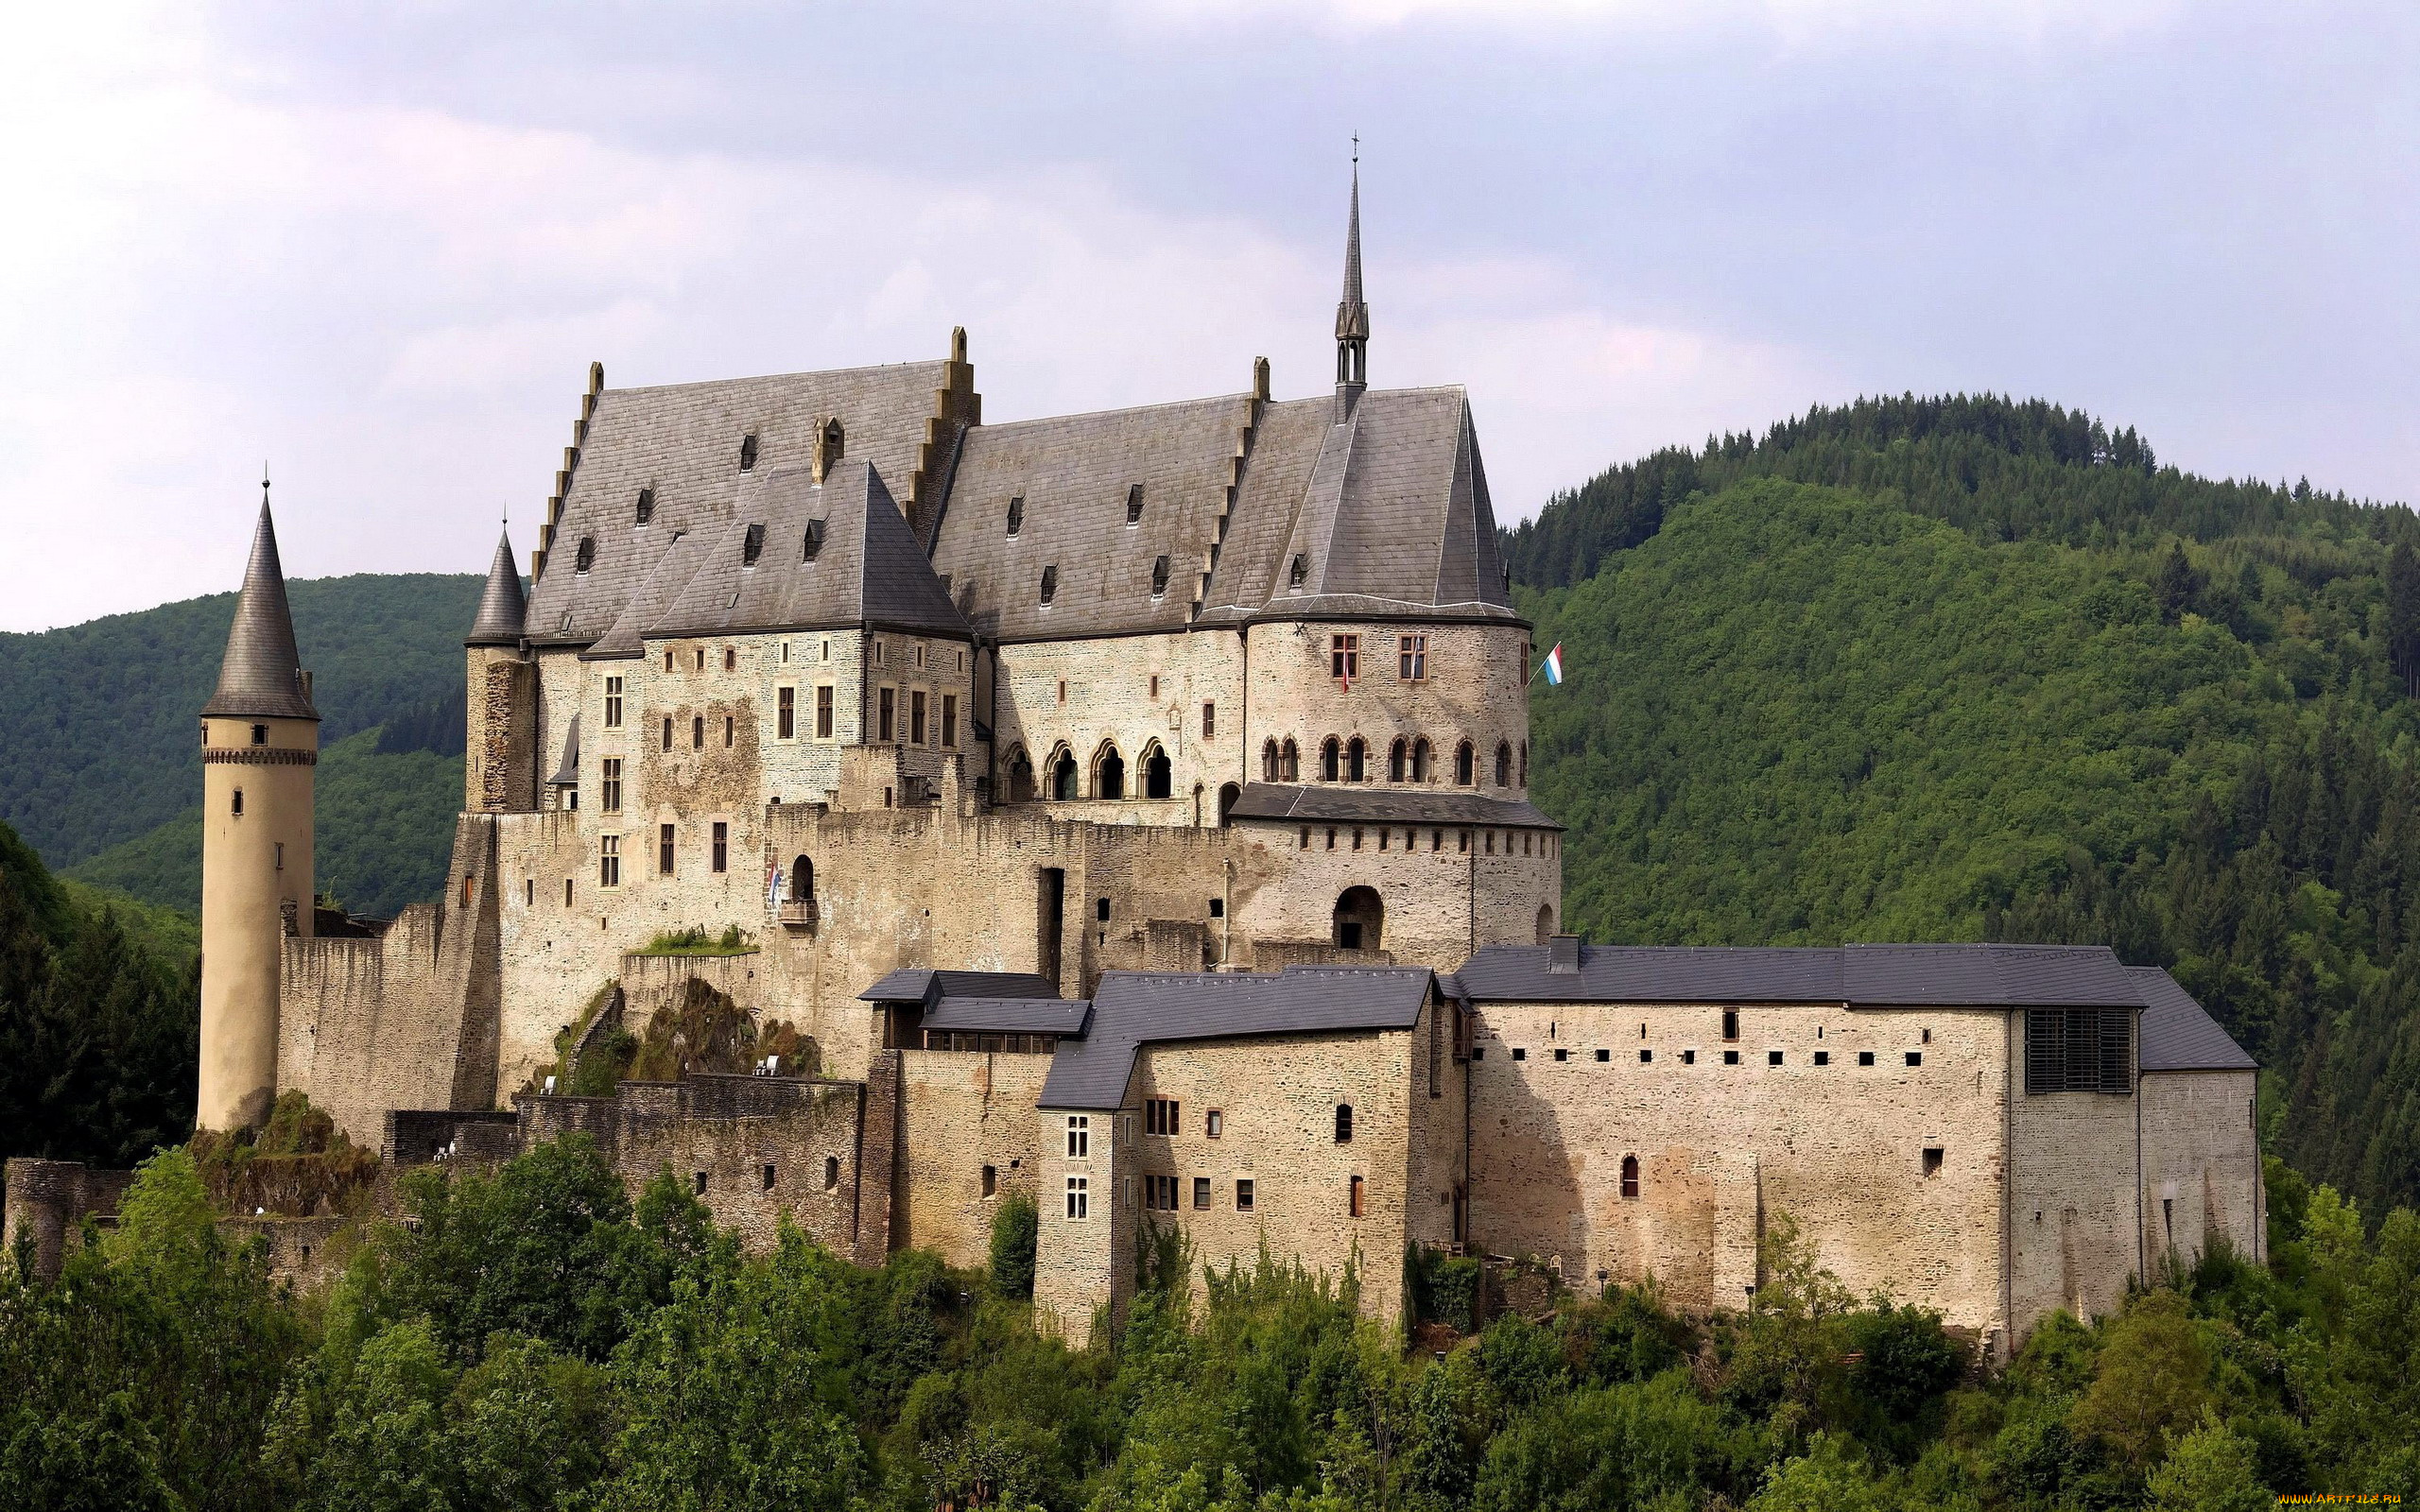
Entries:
{"x":965,"y":1115}
{"x":2201,"y":1177}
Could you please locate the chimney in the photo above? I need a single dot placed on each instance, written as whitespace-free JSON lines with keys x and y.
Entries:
{"x":1563,"y":954}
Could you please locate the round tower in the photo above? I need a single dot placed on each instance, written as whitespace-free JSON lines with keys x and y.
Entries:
{"x":260,"y":740}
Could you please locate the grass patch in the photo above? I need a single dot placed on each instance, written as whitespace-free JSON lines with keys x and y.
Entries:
{"x":694,"y":941}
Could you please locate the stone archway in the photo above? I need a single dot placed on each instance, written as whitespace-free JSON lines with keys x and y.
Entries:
{"x":1062,"y":777}
{"x":1359,"y":920}
{"x":1546,"y":923}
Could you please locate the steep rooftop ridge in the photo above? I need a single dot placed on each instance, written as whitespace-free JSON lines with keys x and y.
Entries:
{"x":262,"y":674}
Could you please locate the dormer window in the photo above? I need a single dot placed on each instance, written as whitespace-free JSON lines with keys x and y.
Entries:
{"x":587,"y":557}
{"x":647,"y":506}
{"x":752,"y":546}
{"x":1297,"y":571}
{"x":834,"y":440}
{"x":1049,"y":584}
{"x":814,"y":540}
{"x":748,"y":452}
{"x":1134,"y":504}
{"x":1016,"y":516}
{"x":1159,"y":576}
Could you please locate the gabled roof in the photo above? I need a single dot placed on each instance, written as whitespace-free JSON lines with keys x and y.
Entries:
{"x":920,"y":984}
{"x":1134,"y":1009}
{"x":502,"y":605}
{"x":1857,"y":975}
{"x":1059,"y":1016}
{"x":1349,"y":802}
{"x":261,"y":674}
{"x":682,"y":441}
{"x":2177,"y":1033}
{"x":867,"y":570}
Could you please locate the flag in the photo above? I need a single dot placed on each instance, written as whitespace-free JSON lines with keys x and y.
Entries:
{"x":1552,"y":666}
{"x":772,"y":883}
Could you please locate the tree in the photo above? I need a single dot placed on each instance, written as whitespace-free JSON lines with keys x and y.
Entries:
{"x":2179,"y":584}
{"x":1014,"y":1231}
{"x":2153,"y":1379}
{"x":2403,"y":616}
{"x":2209,"y":1469}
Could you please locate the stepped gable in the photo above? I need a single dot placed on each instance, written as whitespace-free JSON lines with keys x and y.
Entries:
{"x":1387,"y":511}
{"x":2177,"y":1033}
{"x":682,"y":441}
{"x":868,"y":570}
{"x":261,"y":676}
{"x":1134,"y":1009}
{"x":1074,"y":474}
{"x":1948,"y":976}
{"x":502,"y":606}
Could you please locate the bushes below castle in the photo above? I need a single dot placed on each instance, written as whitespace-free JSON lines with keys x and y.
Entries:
{"x":540,"y":1340}
{"x":298,"y":1164}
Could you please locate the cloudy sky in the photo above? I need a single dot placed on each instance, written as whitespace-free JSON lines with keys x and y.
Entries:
{"x":379,"y":249}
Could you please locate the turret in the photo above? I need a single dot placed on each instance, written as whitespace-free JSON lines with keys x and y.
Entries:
{"x":500,"y":764}
{"x":1351,"y":314}
{"x":260,"y":740}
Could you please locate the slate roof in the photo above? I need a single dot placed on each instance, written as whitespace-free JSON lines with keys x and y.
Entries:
{"x":261,"y":676}
{"x":1134,"y":1009}
{"x":1326,"y":802}
{"x":682,"y":441}
{"x":918,"y":984}
{"x":1858,"y":975}
{"x":502,"y":605}
{"x":868,"y":568}
{"x":2178,"y":1034}
{"x":568,"y":774}
{"x":1059,"y":1016}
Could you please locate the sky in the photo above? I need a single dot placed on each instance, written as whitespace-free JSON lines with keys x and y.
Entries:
{"x":378,"y":248}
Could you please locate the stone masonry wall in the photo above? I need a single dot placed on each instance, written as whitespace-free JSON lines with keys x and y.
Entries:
{"x":961,"y":1112}
{"x":2075,"y":1231}
{"x":2201,"y":1164}
{"x":1110,"y":699}
{"x":1476,"y":690}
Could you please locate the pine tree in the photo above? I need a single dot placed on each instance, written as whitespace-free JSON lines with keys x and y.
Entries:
{"x":2403,"y":616}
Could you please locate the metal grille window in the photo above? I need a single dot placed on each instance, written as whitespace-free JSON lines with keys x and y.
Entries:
{"x":2078,"y":1050}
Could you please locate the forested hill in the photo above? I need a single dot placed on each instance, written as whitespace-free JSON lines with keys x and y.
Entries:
{"x":99,"y":772}
{"x":1959,"y":669}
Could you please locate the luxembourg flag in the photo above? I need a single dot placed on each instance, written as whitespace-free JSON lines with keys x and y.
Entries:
{"x":1552,"y":666}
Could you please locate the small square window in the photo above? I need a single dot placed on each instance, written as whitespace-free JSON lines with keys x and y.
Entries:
{"x":1731,"y":1057}
{"x":1243,"y":1194}
{"x":701,"y":1180}
{"x":1932,"y":1160}
{"x":1772,"y":1057}
{"x":1603,"y":1056}
{"x":1822,"y":1057}
{"x":1478,"y":1052}
{"x":769,"y":1178}
{"x":1865,"y":1058}
{"x":1201,"y":1192}
{"x":1520,"y":1054}
{"x":1214,"y":1124}
{"x":1647,"y":1058}
{"x":1218,"y":908}
{"x":1915,"y":1057}
{"x":1689,"y":1058}
{"x":1562,"y":1054}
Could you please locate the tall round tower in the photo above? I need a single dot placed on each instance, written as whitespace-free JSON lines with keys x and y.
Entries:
{"x":260,"y":739}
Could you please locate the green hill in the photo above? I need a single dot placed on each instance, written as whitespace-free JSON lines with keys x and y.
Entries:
{"x":1965,"y":669}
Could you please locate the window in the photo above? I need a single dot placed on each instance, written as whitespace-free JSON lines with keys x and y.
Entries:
{"x":752,"y":545}
{"x":1865,"y":1058}
{"x":748,"y":452}
{"x":1159,"y":1115}
{"x":1214,"y":1124}
{"x":990,"y":1181}
{"x":1503,"y":765}
{"x":1159,"y":576}
{"x":1134,"y":504}
{"x":723,"y":846}
{"x":786,"y":720}
{"x":609,"y":865}
{"x":1268,"y":765}
{"x":1159,"y":1193}
{"x":1629,"y":1176}
{"x":1290,"y":758}
{"x":1079,"y":1198}
{"x":950,"y":720}
{"x":1353,"y":1201}
{"x":916,"y":717}
{"x":668,"y":659}
{"x":1462,"y":765}
{"x":1689,"y":1058}
{"x":260,"y":735}
{"x":1932,"y":1162}
{"x":831,"y":1172}
{"x":1603,"y":1056}
{"x":1772,"y":1057}
{"x":1731,"y":1024}
{"x":824,"y":711}
{"x":698,"y":1180}
{"x":1411,"y":658}
{"x":528,"y":891}
{"x":730,"y":659}
{"x":277,"y":851}
{"x":1330,"y":762}
{"x":610,"y":790}
{"x":613,"y":703}
{"x":1420,"y":757}
{"x":1050,"y":585}
{"x":1562,"y":1054}
{"x":727,"y":727}
{"x":1647,"y":1058}
{"x":566,"y":892}
{"x":1344,"y":1123}
{"x":1209,"y":720}
{"x":236,"y":807}
{"x":697,"y":733}
{"x":2078,"y":1050}
{"x":587,"y":555}
{"x":1344,"y":656}
{"x":1822,"y":1057}
{"x":1525,"y":764}
{"x":917,"y":651}
{"x":1101,"y":910}
{"x":1016,"y":516}
{"x":663,"y":849}
{"x":667,"y":731}
{"x":1200,"y":1191}
{"x":1915,"y":1057}
{"x":812,"y":547}
{"x":1243,"y":1194}
{"x":647,"y":506}
{"x":1398,"y":761}
{"x":1356,"y":759}
{"x":878,"y":652}
{"x":887,"y":717}
{"x":768,"y":1174}
{"x":1079,"y":1137}
{"x":1731,"y":1057}
{"x":1297,"y":571}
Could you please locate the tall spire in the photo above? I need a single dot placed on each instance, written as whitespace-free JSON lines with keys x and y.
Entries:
{"x":1351,"y":314}
{"x":262,"y":675}
{"x":502,"y":607}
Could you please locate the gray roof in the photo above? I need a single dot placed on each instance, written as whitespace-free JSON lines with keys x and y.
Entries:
{"x":1134,"y":1009}
{"x":2177,"y":1033}
{"x":261,"y":676}
{"x":1059,"y":1016}
{"x":920,"y":984}
{"x":683,"y":442}
{"x":1859,"y":976}
{"x":868,"y":568}
{"x":1380,"y":803}
{"x":568,"y":774}
{"x":502,"y":606}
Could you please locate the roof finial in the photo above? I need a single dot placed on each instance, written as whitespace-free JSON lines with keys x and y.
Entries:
{"x":1351,"y":314}
{"x":264,"y":482}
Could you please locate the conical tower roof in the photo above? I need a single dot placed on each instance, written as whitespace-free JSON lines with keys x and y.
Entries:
{"x":1352,"y":314}
{"x":262,"y":675}
{"x":502,"y":607}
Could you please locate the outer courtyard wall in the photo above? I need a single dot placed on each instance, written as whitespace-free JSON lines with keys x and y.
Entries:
{"x":1722,"y":1149}
{"x":2075,"y":1207}
{"x":1475,"y":689}
{"x":960,"y":1112}
{"x":2201,"y":1173}
{"x":1110,"y":699}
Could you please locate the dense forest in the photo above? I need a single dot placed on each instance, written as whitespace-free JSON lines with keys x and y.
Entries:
{"x":98,"y":774}
{"x":1960,"y":669}
{"x":533,"y":1339}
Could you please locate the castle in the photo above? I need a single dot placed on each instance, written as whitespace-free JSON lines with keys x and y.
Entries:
{"x":1130,"y":810}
